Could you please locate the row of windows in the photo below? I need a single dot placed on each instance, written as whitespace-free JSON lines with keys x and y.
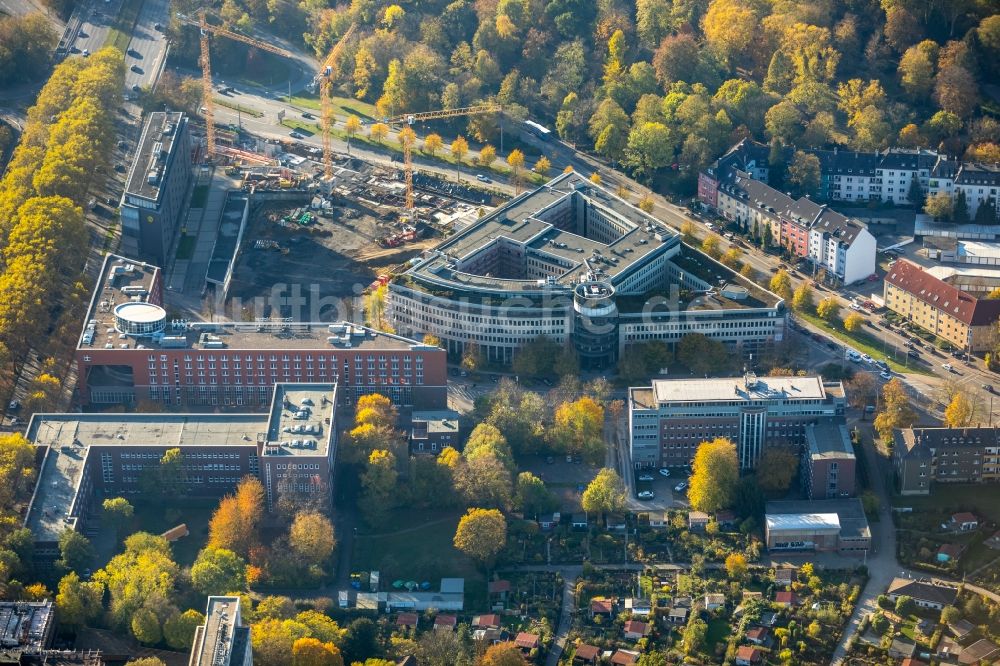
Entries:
{"x":285,"y":358}
{"x":297,"y":466}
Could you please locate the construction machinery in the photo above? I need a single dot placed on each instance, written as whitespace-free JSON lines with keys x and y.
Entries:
{"x":207,"y":29}
{"x":326,"y":77}
{"x":412,"y":118}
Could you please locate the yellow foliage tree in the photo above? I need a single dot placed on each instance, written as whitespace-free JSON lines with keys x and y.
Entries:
{"x":481,"y":534}
{"x":715,"y":474}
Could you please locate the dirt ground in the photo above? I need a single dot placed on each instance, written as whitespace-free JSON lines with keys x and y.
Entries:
{"x":334,"y":258}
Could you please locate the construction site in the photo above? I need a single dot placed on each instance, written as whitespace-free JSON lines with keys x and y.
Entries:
{"x":319,"y":237}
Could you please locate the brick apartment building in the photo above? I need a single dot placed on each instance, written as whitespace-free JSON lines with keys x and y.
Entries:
{"x":668,"y":420}
{"x":128,"y":352}
{"x":926,"y":456}
{"x":292,"y":449}
{"x":828,"y":463}
{"x":965,"y":321}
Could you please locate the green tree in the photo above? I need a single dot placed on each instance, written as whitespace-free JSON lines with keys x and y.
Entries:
{"x":146,"y":626}
{"x":166,"y":479}
{"x":714,"y":476}
{"x":533,"y":497}
{"x":905,"y":606}
{"x":178,"y":630}
{"x":702,"y":354}
{"x":481,"y":534}
{"x":604,"y":494}
{"x":78,"y":602}
{"x":379,"y":483}
{"x":804,"y":172}
{"x":694,"y":635}
{"x":218,"y":571}
{"x":76,"y":551}
{"x":118,"y":512}
{"x":960,"y":209}
{"x":939,"y":206}
{"x":776,"y":469}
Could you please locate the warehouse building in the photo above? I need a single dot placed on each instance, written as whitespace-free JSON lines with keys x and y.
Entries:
{"x":834,"y":525}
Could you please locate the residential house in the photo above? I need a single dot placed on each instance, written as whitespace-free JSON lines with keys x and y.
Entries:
{"x":726,"y":519}
{"x":714,"y":600}
{"x":786,"y":598}
{"x":961,"y":630}
{"x":769,"y":619}
{"x":601,"y":606}
{"x":934,"y":305}
{"x":678,"y":615}
{"x":962,"y":522}
{"x":902,"y":647}
{"x":925,"y":594}
{"x":499,"y":589}
{"x":586,"y":654}
{"x":579,"y":521}
{"x":445,"y":623}
{"x":982,"y":651}
{"x":658,"y":519}
{"x":527,"y":642}
{"x":634,"y":630}
{"x":491,"y":621}
{"x":638,"y":607}
{"x":949,"y":552}
{"x":615,"y":522}
{"x":925,"y":456}
{"x":948,"y":651}
{"x":624,"y":657}
{"x":407,"y":620}
{"x":748,"y":656}
{"x":785,"y":575}
{"x":759,"y":636}
{"x":697,"y":520}
{"x":910,"y":661}
{"x":549,"y":521}
{"x":431,"y":431}
{"x":994,"y":541}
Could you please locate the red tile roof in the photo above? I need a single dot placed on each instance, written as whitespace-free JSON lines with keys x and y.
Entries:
{"x":785,"y":597}
{"x":624,"y":658}
{"x":636,"y":627}
{"x":497,"y":586}
{"x":600,"y":605}
{"x":406,"y":620}
{"x":751,"y":654}
{"x":445,"y":621}
{"x":757,"y":633}
{"x":486,"y":621}
{"x":964,"y":517}
{"x":940,"y":295}
{"x":587,"y":652}
{"x":910,"y":661}
{"x":526,"y":640}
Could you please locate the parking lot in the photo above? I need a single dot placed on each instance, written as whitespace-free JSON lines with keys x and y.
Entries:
{"x":665,"y":495}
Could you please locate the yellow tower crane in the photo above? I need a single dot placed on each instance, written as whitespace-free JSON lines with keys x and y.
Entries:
{"x":206,"y":66}
{"x":413,"y":118}
{"x":326,"y":78}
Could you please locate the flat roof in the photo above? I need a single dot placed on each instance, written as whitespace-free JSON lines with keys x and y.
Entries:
{"x":525,"y":220}
{"x":642,"y":397}
{"x":124,"y":280}
{"x":803,"y":521}
{"x":218,"y":633}
{"x":227,"y":238}
{"x":154,"y":153}
{"x":829,"y":439}
{"x":978,"y":249}
{"x":438,"y":420}
{"x":849,"y":511}
{"x":301,"y":421}
{"x":738,"y":388}
{"x":945,"y":273}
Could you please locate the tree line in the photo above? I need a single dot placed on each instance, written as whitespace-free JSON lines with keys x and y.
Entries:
{"x":43,"y":237}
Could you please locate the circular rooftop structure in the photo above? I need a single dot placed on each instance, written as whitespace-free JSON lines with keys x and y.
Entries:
{"x":140,"y":319}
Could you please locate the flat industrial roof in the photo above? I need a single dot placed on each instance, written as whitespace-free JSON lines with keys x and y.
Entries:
{"x":301,"y":420}
{"x":524,"y":220}
{"x":738,"y":388}
{"x":153,"y":154}
{"x":829,"y":439}
{"x":849,"y":511}
{"x":803,"y":521}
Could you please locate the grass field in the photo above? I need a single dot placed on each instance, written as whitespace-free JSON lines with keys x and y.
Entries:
{"x":981,"y":499}
{"x":194,"y":513}
{"x":718,"y":632}
{"x":120,"y":34}
{"x":229,"y":104}
{"x":422,"y":554}
{"x":864,"y":343}
{"x":342,"y":106}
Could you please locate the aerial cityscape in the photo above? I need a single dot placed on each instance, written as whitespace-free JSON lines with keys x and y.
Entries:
{"x":499,"y":333}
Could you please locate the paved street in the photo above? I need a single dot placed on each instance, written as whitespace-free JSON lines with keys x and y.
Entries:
{"x":147,"y":50}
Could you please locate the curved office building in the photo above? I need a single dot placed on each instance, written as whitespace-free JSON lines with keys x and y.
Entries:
{"x":574,"y":263}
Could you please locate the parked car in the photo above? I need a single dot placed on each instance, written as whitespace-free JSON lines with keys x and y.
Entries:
{"x":664,"y":472}
{"x":13,"y":405}
{"x":646,"y":495}
{"x":886,"y":375}
{"x":646,"y":477}
{"x":483,"y":179}
{"x":948,"y":367}
{"x":681,"y":487}
{"x":913,"y":353}
{"x":988,"y":388}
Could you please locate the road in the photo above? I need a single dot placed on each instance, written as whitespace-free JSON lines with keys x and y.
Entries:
{"x":147,"y":49}
{"x":96,"y":18}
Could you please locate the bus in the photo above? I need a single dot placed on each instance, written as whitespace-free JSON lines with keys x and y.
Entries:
{"x":541,"y":132}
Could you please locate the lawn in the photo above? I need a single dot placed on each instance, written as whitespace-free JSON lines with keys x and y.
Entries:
{"x":424,"y":554}
{"x":120,"y":34}
{"x":718,"y":632}
{"x":267,"y":70}
{"x":342,"y":106}
{"x":863,"y":342}
{"x":300,"y":125}
{"x":195,"y":513}
{"x":229,"y":104}
{"x":981,"y":499}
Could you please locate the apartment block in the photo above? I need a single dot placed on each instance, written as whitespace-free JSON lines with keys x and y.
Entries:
{"x":668,"y":420}
{"x":292,"y":449}
{"x":431,"y":431}
{"x":925,"y":456}
{"x":128,"y":351}
{"x":223,"y":640}
{"x":828,"y":463}
{"x":940,"y":308}
{"x":157,"y":185}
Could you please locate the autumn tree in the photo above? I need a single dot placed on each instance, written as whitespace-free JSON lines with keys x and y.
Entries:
{"x":828,"y":309}
{"x":234,"y":525}
{"x":861,"y":390}
{"x":702,"y":354}
{"x":896,"y":411}
{"x":487,"y":156}
{"x":352,"y":125}
{"x":459,"y":148}
{"x":481,"y":534}
{"x":378,"y":132}
{"x":781,"y":284}
{"x":502,"y":654}
{"x":854,"y":322}
{"x":140,"y":582}
{"x":939,"y":206}
{"x":311,"y":537}
{"x":309,"y":651}
{"x":579,"y":428}
{"x":802,"y":299}
{"x":736,"y":566}
{"x":516,"y":162}
{"x":604,"y":494}
{"x":485,"y":481}
{"x":714,"y":476}
{"x":710,"y":246}
{"x":542,"y":166}
{"x":117,"y":512}
{"x":78,"y":602}
{"x":960,"y":412}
